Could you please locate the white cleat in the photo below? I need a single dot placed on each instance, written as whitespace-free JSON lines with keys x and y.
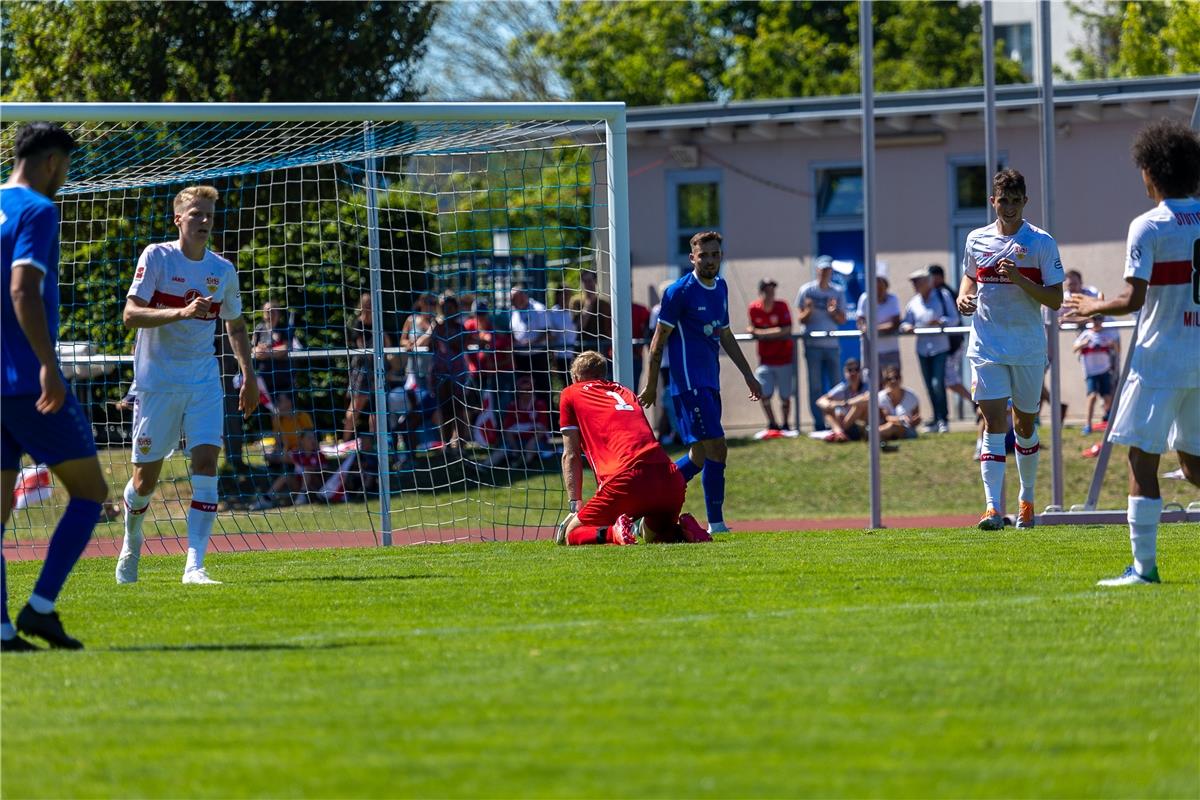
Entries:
{"x":127,"y":566}
{"x":199,"y":575}
{"x":1131,"y":577}
{"x":718,"y":527}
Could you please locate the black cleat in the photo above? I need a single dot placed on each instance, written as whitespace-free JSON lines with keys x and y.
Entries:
{"x":18,"y":645}
{"x":46,"y":626}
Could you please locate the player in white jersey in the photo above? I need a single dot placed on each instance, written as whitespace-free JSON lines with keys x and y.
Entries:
{"x":1010,"y":270}
{"x":1159,"y":407}
{"x":179,"y":290}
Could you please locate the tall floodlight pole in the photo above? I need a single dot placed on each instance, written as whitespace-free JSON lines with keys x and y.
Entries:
{"x":867,"y":79}
{"x":1056,"y":469}
{"x":991,"y":161}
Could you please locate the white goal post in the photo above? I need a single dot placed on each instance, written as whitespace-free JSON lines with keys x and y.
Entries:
{"x":405,"y":203}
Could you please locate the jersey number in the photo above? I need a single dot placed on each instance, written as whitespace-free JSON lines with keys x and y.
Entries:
{"x":1196,"y":272}
{"x":621,"y":405}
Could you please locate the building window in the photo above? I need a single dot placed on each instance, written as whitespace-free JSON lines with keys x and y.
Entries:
{"x":839,"y":193}
{"x":971,"y":188}
{"x":1018,"y":44}
{"x":694,"y":205}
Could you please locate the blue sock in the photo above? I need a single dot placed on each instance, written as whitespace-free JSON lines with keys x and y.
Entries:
{"x":688,"y":469}
{"x":70,"y":537}
{"x":713,"y":482}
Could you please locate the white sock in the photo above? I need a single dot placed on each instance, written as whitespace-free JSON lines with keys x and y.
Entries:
{"x":40,"y":604}
{"x":135,"y":516}
{"x":200,"y":519}
{"x":992,"y":462}
{"x":1143,"y":514}
{"x":1028,"y":452}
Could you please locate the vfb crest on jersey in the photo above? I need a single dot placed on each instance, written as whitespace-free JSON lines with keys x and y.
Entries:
{"x":144,"y":443}
{"x":212,"y":282}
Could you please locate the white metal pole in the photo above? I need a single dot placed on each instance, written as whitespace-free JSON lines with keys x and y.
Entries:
{"x":1047,"y":69}
{"x":378,"y":359}
{"x":867,"y":43}
{"x":991,"y":161}
{"x":618,"y":244}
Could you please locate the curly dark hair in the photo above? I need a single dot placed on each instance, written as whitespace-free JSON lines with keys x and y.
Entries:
{"x":36,"y":138}
{"x":1169,"y":151}
{"x":1008,"y":180}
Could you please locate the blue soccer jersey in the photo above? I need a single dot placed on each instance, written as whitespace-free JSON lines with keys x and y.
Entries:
{"x":697,"y":313}
{"x":28,"y":237}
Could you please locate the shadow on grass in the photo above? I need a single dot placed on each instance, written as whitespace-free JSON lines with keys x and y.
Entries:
{"x":247,"y":647}
{"x":350,"y":578}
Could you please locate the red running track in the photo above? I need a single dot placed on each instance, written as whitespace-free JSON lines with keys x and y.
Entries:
{"x":248,"y":542}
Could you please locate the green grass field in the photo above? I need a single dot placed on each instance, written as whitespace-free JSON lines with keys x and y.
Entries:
{"x":782,"y":479}
{"x":908,"y":663}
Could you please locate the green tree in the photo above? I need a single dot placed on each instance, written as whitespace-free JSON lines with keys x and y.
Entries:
{"x":1127,"y":39}
{"x":650,"y":53}
{"x":115,"y":50}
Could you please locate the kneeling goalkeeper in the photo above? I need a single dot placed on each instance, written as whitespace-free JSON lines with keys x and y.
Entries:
{"x":636,"y":477}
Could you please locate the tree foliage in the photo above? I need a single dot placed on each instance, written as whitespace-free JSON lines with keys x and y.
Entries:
{"x":650,"y":53}
{"x":114,"y":50}
{"x":1126,"y":39}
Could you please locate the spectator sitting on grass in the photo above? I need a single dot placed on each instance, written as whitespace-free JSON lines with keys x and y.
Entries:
{"x":899,"y":409}
{"x":288,"y":425}
{"x":844,"y":407}
{"x":305,"y":477}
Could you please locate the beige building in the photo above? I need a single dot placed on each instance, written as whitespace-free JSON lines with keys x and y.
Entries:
{"x":782,"y":180}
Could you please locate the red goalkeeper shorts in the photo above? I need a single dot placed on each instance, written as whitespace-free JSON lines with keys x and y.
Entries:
{"x":653,"y":490}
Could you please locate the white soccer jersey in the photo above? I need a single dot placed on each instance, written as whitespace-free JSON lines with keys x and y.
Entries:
{"x":1007,"y":325}
{"x":181,"y":356}
{"x":1164,"y":250}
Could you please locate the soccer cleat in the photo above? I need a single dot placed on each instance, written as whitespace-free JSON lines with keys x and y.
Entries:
{"x":48,"y":627}
{"x":199,"y":576}
{"x":992,"y":520}
{"x":18,"y":645}
{"x":622,"y":531}
{"x":693,"y":531}
{"x":1025,"y":515}
{"x":718,"y":527}
{"x":1130,"y":577}
{"x":127,"y":566}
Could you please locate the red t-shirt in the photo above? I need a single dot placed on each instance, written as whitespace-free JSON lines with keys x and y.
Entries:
{"x":774,"y":352}
{"x":610,"y":421}
{"x":641,"y":324}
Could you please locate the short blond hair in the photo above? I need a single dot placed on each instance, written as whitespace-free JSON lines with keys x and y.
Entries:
{"x":589,"y":365}
{"x":193,"y":193}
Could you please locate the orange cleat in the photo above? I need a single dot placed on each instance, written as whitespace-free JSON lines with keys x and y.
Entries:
{"x":1025,"y":515}
{"x":993,"y":520}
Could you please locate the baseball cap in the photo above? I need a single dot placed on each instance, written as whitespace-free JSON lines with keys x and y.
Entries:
{"x":917,"y":274}
{"x":824,"y":262}
{"x":765,"y":282}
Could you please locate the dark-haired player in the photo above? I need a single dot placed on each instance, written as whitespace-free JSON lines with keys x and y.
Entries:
{"x":1160,"y":401}
{"x":1010,"y":270}
{"x":39,"y":416}
{"x":693,"y":321}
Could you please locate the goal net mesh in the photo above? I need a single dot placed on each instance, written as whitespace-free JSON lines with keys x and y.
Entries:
{"x":489,"y":261}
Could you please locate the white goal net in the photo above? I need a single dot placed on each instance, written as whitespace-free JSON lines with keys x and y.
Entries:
{"x":417,"y":279}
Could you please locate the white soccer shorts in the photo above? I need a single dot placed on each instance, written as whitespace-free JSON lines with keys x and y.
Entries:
{"x":1155,"y":420}
{"x":1021,"y":382}
{"x":160,"y":417}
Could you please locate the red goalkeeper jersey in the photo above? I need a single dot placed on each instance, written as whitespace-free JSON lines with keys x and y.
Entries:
{"x":612,"y":425}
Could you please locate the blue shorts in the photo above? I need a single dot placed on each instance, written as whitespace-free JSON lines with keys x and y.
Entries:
{"x":1100,"y":384}
{"x":49,"y":439}
{"x":699,"y":414}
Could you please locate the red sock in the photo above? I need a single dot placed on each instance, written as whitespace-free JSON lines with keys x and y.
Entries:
{"x":590,"y":534}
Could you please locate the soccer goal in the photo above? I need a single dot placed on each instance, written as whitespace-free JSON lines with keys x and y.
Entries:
{"x":381,"y":249}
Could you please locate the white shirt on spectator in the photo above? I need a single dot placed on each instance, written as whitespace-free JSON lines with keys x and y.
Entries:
{"x":889,"y":308}
{"x":529,"y":326}
{"x":929,"y":314}
{"x":907,"y":407}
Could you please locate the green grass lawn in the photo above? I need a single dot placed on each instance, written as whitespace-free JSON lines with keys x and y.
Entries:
{"x":913,"y":663}
{"x":780,"y":479}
